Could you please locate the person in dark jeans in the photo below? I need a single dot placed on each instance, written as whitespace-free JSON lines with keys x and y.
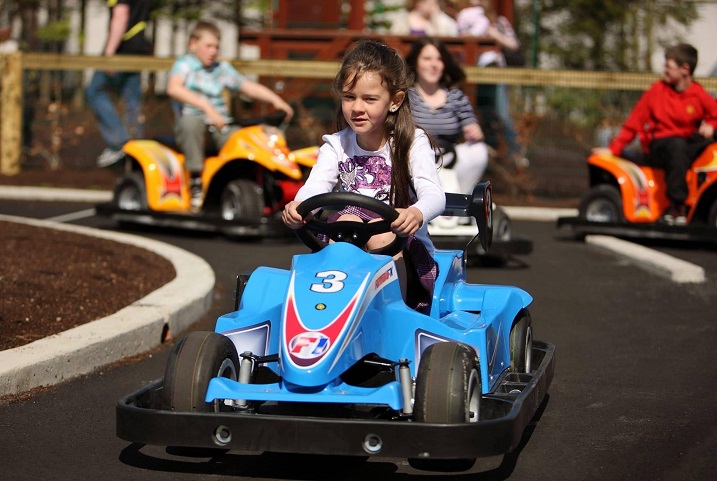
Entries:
{"x":481,"y":18}
{"x":675,"y":120}
{"x":128,"y":23}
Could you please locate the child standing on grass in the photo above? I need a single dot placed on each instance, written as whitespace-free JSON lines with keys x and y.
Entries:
{"x":378,"y":151}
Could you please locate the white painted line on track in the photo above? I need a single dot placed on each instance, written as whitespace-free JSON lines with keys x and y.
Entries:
{"x":677,"y":270}
{"x":54,"y":194}
{"x":82,"y":214}
{"x":540,"y":214}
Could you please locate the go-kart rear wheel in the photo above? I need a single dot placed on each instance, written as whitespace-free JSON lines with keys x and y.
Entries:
{"x":192,"y":363}
{"x":502,"y":225}
{"x":448,"y":390}
{"x":602,"y":203}
{"x":242,"y":199}
{"x":502,"y":232}
{"x":521,"y":344}
{"x":130,"y":193}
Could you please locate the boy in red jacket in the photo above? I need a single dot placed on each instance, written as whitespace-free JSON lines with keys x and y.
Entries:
{"x":675,"y":119}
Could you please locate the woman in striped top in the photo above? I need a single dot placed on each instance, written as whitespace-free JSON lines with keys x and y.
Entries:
{"x":445,"y":112}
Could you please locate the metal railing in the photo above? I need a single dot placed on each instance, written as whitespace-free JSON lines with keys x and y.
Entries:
{"x":562,"y":101}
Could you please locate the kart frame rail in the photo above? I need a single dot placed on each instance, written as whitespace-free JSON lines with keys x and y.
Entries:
{"x":505,"y":415}
{"x":264,"y":227}
{"x":653,"y":231}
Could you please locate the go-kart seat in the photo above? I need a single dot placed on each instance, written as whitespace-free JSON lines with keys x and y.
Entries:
{"x":635,"y":156}
{"x":210,"y":147}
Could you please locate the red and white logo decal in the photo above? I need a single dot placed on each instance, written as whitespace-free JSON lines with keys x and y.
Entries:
{"x":305,"y":347}
{"x":309,"y":345}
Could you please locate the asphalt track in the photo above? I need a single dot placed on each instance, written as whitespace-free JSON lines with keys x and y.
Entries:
{"x":633,"y":395}
{"x":139,"y":327}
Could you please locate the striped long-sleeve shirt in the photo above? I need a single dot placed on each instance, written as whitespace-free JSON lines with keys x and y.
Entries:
{"x":447,"y":121}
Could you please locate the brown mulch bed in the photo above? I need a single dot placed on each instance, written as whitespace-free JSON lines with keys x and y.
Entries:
{"x":53,"y":280}
{"x":91,"y":178}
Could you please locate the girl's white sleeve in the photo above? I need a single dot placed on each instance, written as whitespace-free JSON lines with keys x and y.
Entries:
{"x":424,"y":176}
{"x":324,"y":174}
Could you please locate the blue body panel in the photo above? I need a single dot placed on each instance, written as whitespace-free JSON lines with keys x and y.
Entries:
{"x":338,"y":305}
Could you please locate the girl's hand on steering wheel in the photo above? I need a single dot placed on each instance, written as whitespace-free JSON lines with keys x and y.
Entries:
{"x":408,"y":222}
{"x":291,"y":217}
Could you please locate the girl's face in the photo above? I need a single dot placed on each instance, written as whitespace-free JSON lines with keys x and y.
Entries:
{"x":365,"y":107}
{"x":205,"y":48}
{"x":429,"y":66}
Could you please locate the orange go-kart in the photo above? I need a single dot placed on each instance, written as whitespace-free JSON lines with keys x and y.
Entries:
{"x":628,"y":199}
{"x":246,"y":183}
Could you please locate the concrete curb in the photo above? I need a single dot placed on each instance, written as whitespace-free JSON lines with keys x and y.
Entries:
{"x":11,"y":192}
{"x":677,"y":270}
{"x":540,"y":214}
{"x":133,"y":330}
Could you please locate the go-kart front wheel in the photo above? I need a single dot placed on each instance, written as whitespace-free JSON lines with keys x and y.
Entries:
{"x":602,"y":203}
{"x":192,"y":363}
{"x":521,"y":344}
{"x":130,"y":193}
{"x":242,"y":199}
{"x":448,"y":390}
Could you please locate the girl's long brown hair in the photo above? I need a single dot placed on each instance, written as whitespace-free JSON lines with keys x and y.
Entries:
{"x":371,"y":56}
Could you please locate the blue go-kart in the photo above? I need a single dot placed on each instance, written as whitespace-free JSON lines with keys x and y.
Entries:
{"x":327,"y":358}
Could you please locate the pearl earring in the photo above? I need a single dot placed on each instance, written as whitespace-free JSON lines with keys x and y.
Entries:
{"x":393,"y":109}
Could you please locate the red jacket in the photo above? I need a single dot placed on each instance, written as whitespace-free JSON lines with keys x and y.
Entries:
{"x":663,"y":112}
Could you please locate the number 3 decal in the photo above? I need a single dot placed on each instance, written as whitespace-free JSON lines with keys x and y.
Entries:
{"x":330,"y":281}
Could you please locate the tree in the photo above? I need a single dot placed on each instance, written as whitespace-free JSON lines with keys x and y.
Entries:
{"x":610,"y":34}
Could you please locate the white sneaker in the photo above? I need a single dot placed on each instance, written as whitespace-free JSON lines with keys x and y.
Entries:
{"x":197,"y":196}
{"x":109,"y":157}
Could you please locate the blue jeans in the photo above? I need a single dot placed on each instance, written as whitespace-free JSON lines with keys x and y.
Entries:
{"x":502,"y":107}
{"x":493,"y":106}
{"x":129,"y":88}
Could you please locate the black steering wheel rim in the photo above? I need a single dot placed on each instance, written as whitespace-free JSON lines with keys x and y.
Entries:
{"x":356,"y":233}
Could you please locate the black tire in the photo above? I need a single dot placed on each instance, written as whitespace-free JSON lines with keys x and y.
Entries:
{"x":502,"y":232}
{"x":502,"y":225}
{"x":192,"y":363}
{"x":712,"y":217}
{"x":130,"y":192}
{"x":448,"y":390}
{"x":521,"y":344}
{"x":242,"y":199}
{"x":602,"y":203}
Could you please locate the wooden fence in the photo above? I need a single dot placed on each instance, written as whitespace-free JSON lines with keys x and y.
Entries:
{"x":13,"y":65}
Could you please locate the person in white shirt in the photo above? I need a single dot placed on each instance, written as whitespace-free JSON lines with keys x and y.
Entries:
{"x":424,"y":17}
{"x":379,"y":152}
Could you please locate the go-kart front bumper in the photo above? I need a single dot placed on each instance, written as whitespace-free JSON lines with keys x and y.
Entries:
{"x":200,"y":222}
{"x":504,"y":417}
{"x":648,"y":231}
